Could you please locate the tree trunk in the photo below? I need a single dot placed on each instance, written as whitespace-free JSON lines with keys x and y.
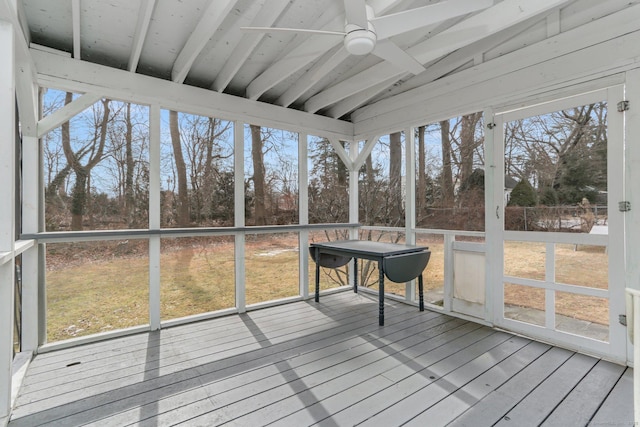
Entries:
{"x":421,"y":191}
{"x":467,"y":145}
{"x":258,"y":175}
{"x":395,"y":177}
{"x":82,"y":172}
{"x":181,"y":171}
{"x":342,"y":168}
{"x":129,"y":201}
{"x":208,"y":180}
{"x":447,"y":174}
{"x":367,"y":197}
{"x":78,"y":199}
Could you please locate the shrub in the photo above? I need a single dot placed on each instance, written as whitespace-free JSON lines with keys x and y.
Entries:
{"x":523,"y":194}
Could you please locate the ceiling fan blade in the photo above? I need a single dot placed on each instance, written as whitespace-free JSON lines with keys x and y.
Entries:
{"x":402,"y":22}
{"x":292,"y":30}
{"x":356,"y":13}
{"x":391,"y":53}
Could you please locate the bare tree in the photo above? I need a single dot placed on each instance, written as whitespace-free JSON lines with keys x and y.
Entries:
{"x":83,"y":172}
{"x":447,"y":172}
{"x":257,"y":155}
{"x":181,"y":170}
{"x":395,"y":177}
{"x":468,"y":144}
{"x":422,"y":173}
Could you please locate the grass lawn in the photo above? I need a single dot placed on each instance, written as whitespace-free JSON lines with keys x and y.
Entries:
{"x":100,"y":286}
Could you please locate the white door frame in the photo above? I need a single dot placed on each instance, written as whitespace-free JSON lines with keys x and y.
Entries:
{"x":615,"y":349}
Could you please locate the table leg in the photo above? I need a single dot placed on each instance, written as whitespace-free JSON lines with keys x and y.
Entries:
{"x":317,"y":274}
{"x":380,"y":294}
{"x":421,"y":292}
{"x":355,"y":275}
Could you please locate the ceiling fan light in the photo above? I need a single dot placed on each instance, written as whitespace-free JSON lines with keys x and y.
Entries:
{"x":360,"y":42}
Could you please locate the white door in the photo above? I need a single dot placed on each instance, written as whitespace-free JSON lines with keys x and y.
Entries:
{"x":555,"y":243}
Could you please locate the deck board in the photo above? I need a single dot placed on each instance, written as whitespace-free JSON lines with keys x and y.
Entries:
{"x":322,"y":364}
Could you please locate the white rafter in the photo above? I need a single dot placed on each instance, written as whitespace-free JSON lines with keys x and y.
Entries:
{"x":144,"y":18}
{"x":211,"y":19}
{"x":319,"y":70}
{"x":75,"y":15}
{"x":483,"y":24}
{"x":265,"y":18}
{"x":381,"y":7}
{"x":303,"y":54}
{"x":353,"y":102}
{"x":441,"y":68}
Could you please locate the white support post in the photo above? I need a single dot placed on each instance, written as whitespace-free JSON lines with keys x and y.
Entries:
{"x":447,"y":302}
{"x":410,"y":201}
{"x":550,"y":294}
{"x":31,"y":206}
{"x":238,"y":160}
{"x":353,"y":202}
{"x":632,"y":297}
{"x":632,"y":224}
{"x":7,"y":211}
{"x":494,"y":211}
{"x":353,"y":189}
{"x":632,"y":192}
{"x":303,"y":214}
{"x":154,"y":217}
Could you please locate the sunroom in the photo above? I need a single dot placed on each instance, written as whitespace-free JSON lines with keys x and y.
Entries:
{"x":167,"y":165}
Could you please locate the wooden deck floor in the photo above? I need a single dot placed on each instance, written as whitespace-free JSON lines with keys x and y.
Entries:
{"x":328,"y":364}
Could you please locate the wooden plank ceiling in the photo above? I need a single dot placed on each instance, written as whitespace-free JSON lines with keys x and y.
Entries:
{"x":200,"y":43}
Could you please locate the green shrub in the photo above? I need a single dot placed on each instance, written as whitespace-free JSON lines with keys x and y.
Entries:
{"x":523,"y":194}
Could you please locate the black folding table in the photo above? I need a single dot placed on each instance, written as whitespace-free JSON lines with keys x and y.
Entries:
{"x":399,"y":262}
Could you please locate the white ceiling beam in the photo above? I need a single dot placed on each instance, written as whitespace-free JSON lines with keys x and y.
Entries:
{"x":266,"y":17}
{"x":24,"y":25}
{"x":346,"y":105}
{"x":553,"y":23}
{"x":66,"y":113}
{"x":353,"y":85}
{"x":381,"y":7}
{"x":435,"y":71}
{"x":142,"y":26}
{"x":586,"y":57}
{"x":63,"y":73}
{"x":483,"y":24}
{"x":303,"y":54}
{"x":607,"y":28}
{"x":211,"y":19}
{"x":75,"y":23}
{"x":26,"y":90}
{"x":322,"y":69}
{"x":316,"y":73}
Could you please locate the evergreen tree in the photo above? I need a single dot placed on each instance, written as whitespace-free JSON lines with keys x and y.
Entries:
{"x":523,"y":194}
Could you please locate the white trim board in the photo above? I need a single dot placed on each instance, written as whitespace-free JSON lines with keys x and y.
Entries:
{"x":79,"y":76}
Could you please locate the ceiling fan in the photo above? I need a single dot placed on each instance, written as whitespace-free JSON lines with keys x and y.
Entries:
{"x":365,"y":33}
